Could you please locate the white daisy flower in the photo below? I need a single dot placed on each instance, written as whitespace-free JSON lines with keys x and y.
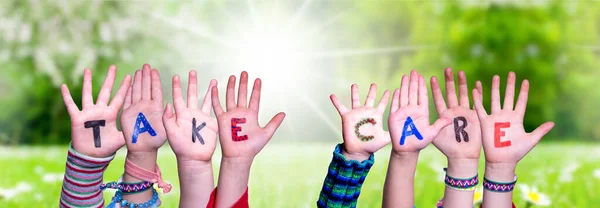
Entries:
{"x":533,"y":196}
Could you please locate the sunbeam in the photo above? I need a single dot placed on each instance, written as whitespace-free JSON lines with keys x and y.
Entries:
{"x":317,"y":110}
{"x":298,"y":14}
{"x":370,"y":51}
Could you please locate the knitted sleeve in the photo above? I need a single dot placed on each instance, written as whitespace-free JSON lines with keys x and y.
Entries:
{"x":81,"y":183}
{"x":344,"y":180}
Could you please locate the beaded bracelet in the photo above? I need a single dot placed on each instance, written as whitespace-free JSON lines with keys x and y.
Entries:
{"x":128,"y":188}
{"x":154,"y":202}
{"x":499,"y":186}
{"x":461,"y":184}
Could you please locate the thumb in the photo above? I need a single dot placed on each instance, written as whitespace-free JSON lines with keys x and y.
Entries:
{"x":540,"y":131}
{"x":439,"y":124}
{"x":273,"y":124}
{"x":169,"y":118}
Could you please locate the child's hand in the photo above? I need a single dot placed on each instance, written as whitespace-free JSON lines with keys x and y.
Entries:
{"x":409,"y":116}
{"x":240,"y":134}
{"x":463,"y":139}
{"x":505,"y":141}
{"x":141,"y":119}
{"x":192,"y":133}
{"x":362,"y":126}
{"x":94,"y":129}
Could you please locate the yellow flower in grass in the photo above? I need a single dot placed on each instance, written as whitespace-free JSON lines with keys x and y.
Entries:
{"x":533,"y":196}
{"x":478,"y":196}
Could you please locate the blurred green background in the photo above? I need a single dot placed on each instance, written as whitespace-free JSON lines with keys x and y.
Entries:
{"x":303,"y":51}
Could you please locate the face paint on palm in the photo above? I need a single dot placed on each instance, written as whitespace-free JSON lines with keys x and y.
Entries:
{"x":359,"y":124}
{"x":235,"y":129}
{"x":196,"y":131}
{"x":406,"y":132}
{"x":137,"y":130}
{"x":95,"y":125}
{"x":498,"y":133}
{"x":460,"y":129}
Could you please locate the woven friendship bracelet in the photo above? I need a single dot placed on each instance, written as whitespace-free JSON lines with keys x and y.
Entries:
{"x":128,"y":188}
{"x":461,"y":184}
{"x":499,"y":186}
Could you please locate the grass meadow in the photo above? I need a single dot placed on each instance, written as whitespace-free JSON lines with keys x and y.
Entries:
{"x":291,"y":175}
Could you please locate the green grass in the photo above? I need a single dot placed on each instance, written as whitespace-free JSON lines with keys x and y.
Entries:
{"x":291,"y":175}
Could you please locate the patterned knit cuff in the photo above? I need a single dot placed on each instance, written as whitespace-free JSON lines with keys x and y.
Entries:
{"x":339,"y":158}
{"x":88,"y":161}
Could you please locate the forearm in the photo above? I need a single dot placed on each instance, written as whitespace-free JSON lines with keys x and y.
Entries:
{"x":463,"y":169}
{"x":499,"y":173}
{"x":196,"y":182}
{"x":83,"y":176}
{"x":147,"y":161}
{"x":398,"y":190}
{"x":233,"y":180}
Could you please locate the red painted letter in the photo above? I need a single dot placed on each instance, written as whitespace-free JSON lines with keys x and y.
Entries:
{"x":235,"y":129}
{"x":499,"y":133}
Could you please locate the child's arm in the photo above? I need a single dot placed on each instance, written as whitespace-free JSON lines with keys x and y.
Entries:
{"x":143,"y":130}
{"x":241,"y":138}
{"x":363,"y":135}
{"x":505,"y":141}
{"x":94,"y":140}
{"x":461,"y":142}
{"x":410,"y":131}
{"x":192,"y":135}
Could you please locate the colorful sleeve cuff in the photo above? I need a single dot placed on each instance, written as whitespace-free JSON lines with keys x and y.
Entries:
{"x":240,"y":203}
{"x":344,"y":180}
{"x":83,"y":176}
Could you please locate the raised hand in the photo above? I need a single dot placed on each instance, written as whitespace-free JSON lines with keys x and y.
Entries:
{"x":191,"y":132}
{"x":504,"y":138}
{"x":142,"y":113}
{"x":409,"y":116}
{"x":362,"y":126}
{"x":462,"y":140}
{"x":94,"y":129}
{"x":240,"y":134}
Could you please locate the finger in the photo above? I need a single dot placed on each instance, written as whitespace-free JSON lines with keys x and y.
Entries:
{"x":423,"y":98}
{"x":169,"y":118}
{"x":439,"y":124}
{"x":384,"y":101}
{"x":72,"y":108}
{"x":523,"y":96}
{"x":87,"y":98}
{"x":539,"y":132}
{"x":137,"y":87}
{"x":395,"y":101}
{"x":354,"y":96}
{"x":450,"y":88}
{"x":229,"y":94}
{"x":106,"y":89}
{"x":273,"y":124}
{"x":478,"y":105}
{"x":463,"y":90}
{"x":192,"y":90}
{"x":496,"y":94}
{"x":119,"y":98}
{"x":216,"y":104}
{"x":255,"y":97}
{"x":404,"y":91}
{"x":338,"y":106}
{"x":243,"y":90}
{"x":157,"y":93}
{"x":438,"y":98}
{"x":206,"y":105}
{"x":146,"y":83}
{"x":128,"y":96}
{"x":370,"y":101}
{"x":178,"y":101}
{"x":413,"y":88}
{"x":479,"y":88}
{"x":509,"y":95}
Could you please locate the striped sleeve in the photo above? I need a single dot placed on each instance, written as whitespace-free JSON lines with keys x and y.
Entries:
{"x":343,"y":181}
{"x":83,"y":176}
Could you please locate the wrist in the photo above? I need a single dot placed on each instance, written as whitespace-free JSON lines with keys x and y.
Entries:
{"x":194,"y":167}
{"x":358,"y":156}
{"x":237,"y":162}
{"x":501,"y":172}
{"x":462,"y":168}
{"x":145,"y":160}
{"x":405,"y":155}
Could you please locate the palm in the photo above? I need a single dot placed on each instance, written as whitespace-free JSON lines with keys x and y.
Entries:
{"x":465,"y":146}
{"x":504,"y":138}
{"x":411,"y":101}
{"x":180,"y":127}
{"x":370,"y":137}
{"x":110,"y":138}
{"x":144,"y":99}
{"x":248,"y":138}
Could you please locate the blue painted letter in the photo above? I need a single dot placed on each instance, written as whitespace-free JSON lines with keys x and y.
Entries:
{"x":141,"y":119}
{"x":413,"y":131}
